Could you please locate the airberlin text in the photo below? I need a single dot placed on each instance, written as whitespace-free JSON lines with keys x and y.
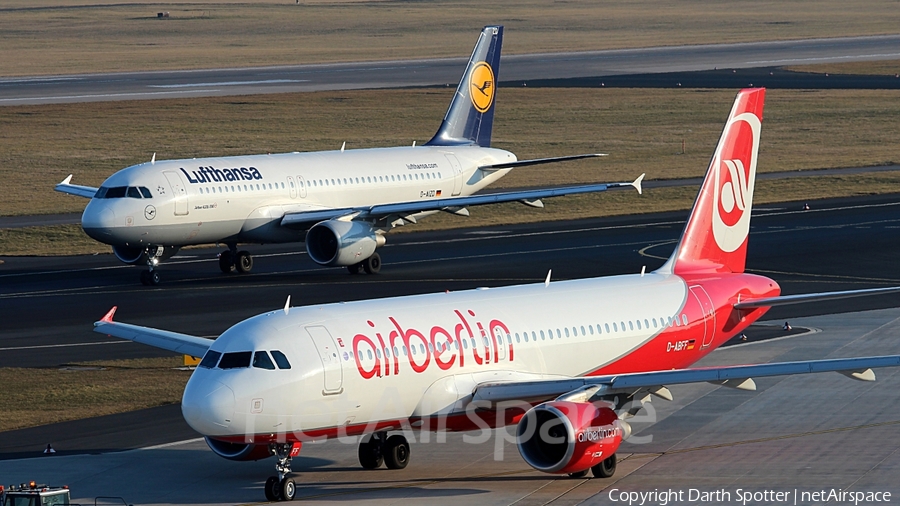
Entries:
{"x":214,"y":175}
{"x":387,"y":352}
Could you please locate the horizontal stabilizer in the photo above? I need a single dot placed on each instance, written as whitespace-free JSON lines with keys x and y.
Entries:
{"x":538,"y":161}
{"x":163,"y":339}
{"x":785,"y":300}
{"x":75,"y":189}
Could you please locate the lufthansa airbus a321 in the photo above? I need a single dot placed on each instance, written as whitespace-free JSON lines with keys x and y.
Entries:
{"x":340,"y":203}
{"x":566,"y":362}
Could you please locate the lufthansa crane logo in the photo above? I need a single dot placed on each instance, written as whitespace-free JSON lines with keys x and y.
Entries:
{"x":481,"y":86}
{"x":735,"y":163}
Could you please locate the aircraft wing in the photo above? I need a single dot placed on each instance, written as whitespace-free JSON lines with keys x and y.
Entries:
{"x":172,"y":341}
{"x":406,"y":208}
{"x":75,"y":189}
{"x":738,"y":376}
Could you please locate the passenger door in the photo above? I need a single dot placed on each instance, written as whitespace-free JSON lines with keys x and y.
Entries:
{"x":331,"y":361}
{"x":179,"y":191}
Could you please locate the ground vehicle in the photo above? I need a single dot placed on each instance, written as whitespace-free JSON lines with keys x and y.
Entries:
{"x":32,"y":494}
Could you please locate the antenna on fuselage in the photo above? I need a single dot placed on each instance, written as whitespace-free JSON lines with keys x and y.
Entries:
{"x":287,"y":306}
{"x":547,"y":281}
{"x":153,"y":159}
{"x":344,"y":145}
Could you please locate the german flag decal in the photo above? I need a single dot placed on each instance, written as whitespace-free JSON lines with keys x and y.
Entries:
{"x":481,"y":86}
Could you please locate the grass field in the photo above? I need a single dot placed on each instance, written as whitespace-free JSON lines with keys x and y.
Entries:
{"x":642,"y":130}
{"x":78,"y":36}
{"x":88,"y":389}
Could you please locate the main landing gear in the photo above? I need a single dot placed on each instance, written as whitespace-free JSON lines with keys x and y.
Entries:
{"x":604,"y":469}
{"x":232,"y":260}
{"x":282,"y":487}
{"x":376,"y":449}
{"x":371,"y":265}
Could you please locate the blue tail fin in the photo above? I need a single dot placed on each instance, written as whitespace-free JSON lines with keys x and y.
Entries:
{"x":471,"y":114}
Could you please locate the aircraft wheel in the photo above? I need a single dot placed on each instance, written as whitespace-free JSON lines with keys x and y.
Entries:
{"x":288,"y":489}
{"x":244,"y":263}
{"x":372,"y":264}
{"x":396,"y":452}
{"x":226,"y":263}
{"x":605,"y":469}
{"x":579,"y":474}
{"x":355,"y":268}
{"x":370,"y":456}
{"x":273,"y":489}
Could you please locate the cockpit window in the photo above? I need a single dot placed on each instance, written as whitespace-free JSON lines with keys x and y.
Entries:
{"x":235,"y":360}
{"x":261,"y":360}
{"x":281,"y":360}
{"x":118,"y":192}
{"x":210,"y":359}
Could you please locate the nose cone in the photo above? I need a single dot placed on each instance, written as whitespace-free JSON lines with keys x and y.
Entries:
{"x":207,"y":405}
{"x":98,"y":220}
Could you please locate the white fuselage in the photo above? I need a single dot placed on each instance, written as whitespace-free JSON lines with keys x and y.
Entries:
{"x":243,"y":198}
{"x":407,"y":358}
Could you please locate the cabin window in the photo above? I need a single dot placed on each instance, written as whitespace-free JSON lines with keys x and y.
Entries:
{"x":465,"y":344}
{"x":638,"y":325}
{"x":615,"y":327}
{"x":439,"y":175}
{"x":543,"y":338}
{"x":236,"y":360}
{"x":583,"y":332}
{"x":422,"y":348}
{"x":567,"y":331}
{"x":360,"y":354}
{"x":261,"y":360}
{"x":654,"y":322}
{"x":369,"y":354}
{"x":378,"y":353}
{"x":684,"y":319}
{"x":517,"y":338}
{"x":606,"y":325}
{"x":210,"y":359}
{"x":396,"y":352}
{"x":417,"y":177}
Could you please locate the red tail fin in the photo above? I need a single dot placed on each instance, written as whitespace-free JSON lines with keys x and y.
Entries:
{"x":715,"y":237}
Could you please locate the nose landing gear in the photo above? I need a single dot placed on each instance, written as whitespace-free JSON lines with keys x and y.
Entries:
{"x":282,"y":487}
{"x":150,"y":277}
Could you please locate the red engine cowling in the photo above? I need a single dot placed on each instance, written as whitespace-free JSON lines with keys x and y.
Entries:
{"x":238,"y":451}
{"x":568,"y":437}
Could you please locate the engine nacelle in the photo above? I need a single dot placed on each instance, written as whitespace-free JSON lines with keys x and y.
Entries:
{"x":568,"y":437}
{"x":237,"y":451}
{"x":337,"y":242}
{"x":136,"y":255}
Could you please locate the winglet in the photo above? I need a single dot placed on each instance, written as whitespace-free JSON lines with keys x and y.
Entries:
{"x":108,"y":318}
{"x":67,"y":180}
{"x":287,"y":306}
{"x":637,"y":183}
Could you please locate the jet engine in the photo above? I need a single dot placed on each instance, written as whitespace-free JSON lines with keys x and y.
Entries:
{"x":337,"y":242}
{"x":238,"y":451}
{"x":136,"y":255}
{"x":569,"y":437}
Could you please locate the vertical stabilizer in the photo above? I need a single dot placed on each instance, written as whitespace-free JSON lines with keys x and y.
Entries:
{"x":715,"y":237}
{"x":471,"y":114}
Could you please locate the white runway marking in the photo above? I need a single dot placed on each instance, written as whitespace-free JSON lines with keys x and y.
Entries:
{"x":42,"y":346}
{"x":228,"y":83}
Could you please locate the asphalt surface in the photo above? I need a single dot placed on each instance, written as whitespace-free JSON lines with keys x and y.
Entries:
{"x":515,"y":70}
{"x":795,"y":435}
{"x":48,"y":305}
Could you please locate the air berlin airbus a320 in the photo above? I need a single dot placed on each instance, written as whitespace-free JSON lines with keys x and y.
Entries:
{"x":567,"y":354}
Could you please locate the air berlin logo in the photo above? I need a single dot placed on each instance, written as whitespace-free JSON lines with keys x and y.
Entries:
{"x":734,"y":181}
{"x":481,"y":86}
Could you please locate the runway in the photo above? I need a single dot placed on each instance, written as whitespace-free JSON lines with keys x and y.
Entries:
{"x":790,"y":435}
{"x":838,"y":244}
{"x":516,"y":69}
